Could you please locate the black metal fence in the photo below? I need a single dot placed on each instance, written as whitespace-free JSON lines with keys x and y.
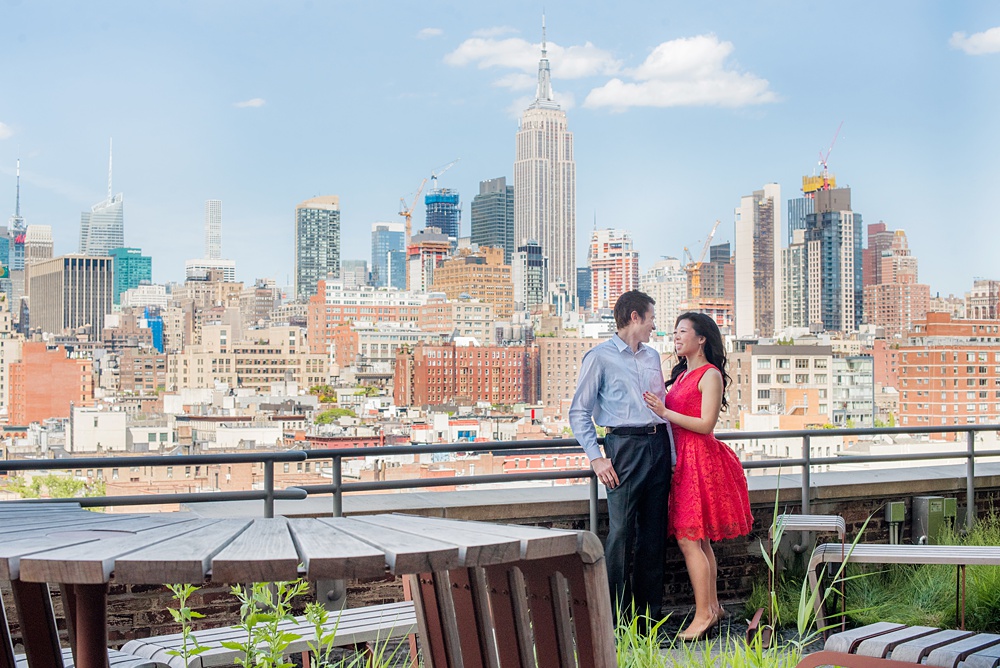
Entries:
{"x":337,"y":487}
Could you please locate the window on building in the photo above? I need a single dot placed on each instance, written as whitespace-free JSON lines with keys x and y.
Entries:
{"x":764,"y":363}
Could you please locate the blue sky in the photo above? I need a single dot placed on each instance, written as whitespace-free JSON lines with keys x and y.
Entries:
{"x":678,"y":109}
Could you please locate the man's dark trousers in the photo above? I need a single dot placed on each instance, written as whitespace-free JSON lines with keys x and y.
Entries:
{"x":637,"y":519}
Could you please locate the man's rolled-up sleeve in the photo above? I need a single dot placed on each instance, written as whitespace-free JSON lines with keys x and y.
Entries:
{"x":581,"y":411}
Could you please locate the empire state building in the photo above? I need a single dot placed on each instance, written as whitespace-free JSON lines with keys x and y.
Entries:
{"x":545,"y":182}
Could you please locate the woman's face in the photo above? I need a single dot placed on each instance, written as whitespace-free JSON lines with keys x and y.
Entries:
{"x":686,"y":340}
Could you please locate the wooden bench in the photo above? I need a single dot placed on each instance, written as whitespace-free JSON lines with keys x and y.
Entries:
{"x":959,"y":556}
{"x":887,"y":645}
{"x":354,"y":626}
{"x":115,"y":660}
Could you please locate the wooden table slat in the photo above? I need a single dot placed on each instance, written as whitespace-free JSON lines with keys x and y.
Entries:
{"x":183,"y":559}
{"x":403,"y":553}
{"x":475,"y":546}
{"x":91,"y":562}
{"x":264,"y":552}
{"x":330,"y":554}
{"x":537,"y":542}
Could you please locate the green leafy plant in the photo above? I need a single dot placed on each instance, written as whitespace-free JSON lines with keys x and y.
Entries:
{"x":263,"y":606}
{"x":184,"y":615}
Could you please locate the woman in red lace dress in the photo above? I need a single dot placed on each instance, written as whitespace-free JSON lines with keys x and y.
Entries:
{"x":708,"y":494}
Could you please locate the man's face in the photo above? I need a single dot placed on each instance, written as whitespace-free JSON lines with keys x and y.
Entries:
{"x":643,"y":326}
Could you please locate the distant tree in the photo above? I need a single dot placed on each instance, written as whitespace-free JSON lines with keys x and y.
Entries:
{"x":329,"y":416}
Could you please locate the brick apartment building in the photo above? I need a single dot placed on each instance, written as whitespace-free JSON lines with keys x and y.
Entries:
{"x":559,"y":361}
{"x":441,"y":374}
{"x":949,"y":372}
{"x":45,"y":382}
{"x":335,"y":305}
{"x":481,"y":275}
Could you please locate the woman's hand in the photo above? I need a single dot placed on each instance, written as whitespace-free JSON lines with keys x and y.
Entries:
{"x":655,"y":404}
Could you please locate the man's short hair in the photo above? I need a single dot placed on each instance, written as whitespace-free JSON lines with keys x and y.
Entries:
{"x":633,"y":300}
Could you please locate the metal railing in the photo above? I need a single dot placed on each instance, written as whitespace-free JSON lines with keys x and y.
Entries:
{"x":337,"y":486}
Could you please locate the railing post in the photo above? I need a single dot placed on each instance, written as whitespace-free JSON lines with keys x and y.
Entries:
{"x":970,"y":481}
{"x":338,"y":492}
{"x":806,"y":473}
{"x":268,"y":487}
{"x":593,"y":503}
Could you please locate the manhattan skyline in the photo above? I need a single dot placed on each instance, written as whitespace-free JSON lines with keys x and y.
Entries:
{"x":676,"y":114}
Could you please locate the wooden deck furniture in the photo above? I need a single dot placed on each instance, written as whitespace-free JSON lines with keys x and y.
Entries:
{"x":115,"y":660}
{"x":814,"y":524}
{"x":959,"y":556}
{"x":354,"y":626}
{"x":887,"y":645}
{"x":483,"y":594}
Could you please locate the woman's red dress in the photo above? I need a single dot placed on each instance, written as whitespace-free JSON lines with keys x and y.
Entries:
{"x":708,"y":494}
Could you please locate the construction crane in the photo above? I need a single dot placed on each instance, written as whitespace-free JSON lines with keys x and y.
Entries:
{"x":693,"y":268}
{"x":824,"y":158}
{"x":407,"y":211}
{"x":708,"y":242}
{"x":438,"y":172}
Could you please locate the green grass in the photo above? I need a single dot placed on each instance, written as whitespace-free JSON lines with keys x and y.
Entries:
{"x":637,"y":649}
{"x":905,"y":594}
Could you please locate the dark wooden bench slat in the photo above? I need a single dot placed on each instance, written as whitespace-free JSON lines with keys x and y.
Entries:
{"x":949,"y":655}
{"x":880,"y":646}
{"x":915,"y":651}
{"x":848,"y":641}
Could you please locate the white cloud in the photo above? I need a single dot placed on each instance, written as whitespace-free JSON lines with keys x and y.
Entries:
{"x":977,"y":44}
{"x":573,"y":62}
{"x":5,"y":131}
{"x":252,"y":102}
{"x":690,"y":71}
{"x":496,"y":31}
{"x":516,"y":81}
{"x":428,"y":33}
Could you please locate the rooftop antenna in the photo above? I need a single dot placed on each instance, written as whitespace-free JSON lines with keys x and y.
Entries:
{"x":110,"y":146}
{"x":17,"y":205}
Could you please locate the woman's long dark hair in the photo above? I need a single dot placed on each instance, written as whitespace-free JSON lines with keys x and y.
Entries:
{"x":715,"y":351}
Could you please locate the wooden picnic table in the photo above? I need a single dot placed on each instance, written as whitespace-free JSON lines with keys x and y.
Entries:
{"x":484,"y":594}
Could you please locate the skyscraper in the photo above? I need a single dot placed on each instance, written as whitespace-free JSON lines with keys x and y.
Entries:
{"x":131,"y":269}
{"x":427,"y":249}
{"x":444,"y":211}
{"x":212,"y":260}
{"x":493,"y":216}
{"x":583,"y":287}
{"x":317,"y":243}
{"x":880,"y":241}
{"x":354,"y":274}
{"x":545,"y":181}
{"x":897,"y":300}
{"x":103,"y":227}
{"x":69,"y":292}
{"x":758,"y":263}
{"x":800,"y":207}
{"x":833,"y":241}
{"x":614,"y":267}
{"x":530,"y":272}
{"x":213,"y":229}
{"x":386,"y":239}
{"x":667,"y":283}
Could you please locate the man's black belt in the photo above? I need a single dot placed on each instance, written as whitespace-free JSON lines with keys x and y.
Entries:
{"x":637,"y":431}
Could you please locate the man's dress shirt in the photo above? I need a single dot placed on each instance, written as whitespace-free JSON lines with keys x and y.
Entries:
{"x":609,"y":391}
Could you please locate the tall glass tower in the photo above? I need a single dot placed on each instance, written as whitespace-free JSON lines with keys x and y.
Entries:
{"x":388,"y":238}
{"x":444,"y":211}
{"x":317,"y":243}
{"x":493,"y":216}
{"x":103,"y":227}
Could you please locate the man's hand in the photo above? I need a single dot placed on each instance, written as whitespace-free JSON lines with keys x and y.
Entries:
{"x":605,"y":471}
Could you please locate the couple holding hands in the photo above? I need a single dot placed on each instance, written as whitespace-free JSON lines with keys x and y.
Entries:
{"x":666,"y":474}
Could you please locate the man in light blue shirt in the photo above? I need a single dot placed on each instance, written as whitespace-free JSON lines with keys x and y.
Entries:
{"x":636,"y":463}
